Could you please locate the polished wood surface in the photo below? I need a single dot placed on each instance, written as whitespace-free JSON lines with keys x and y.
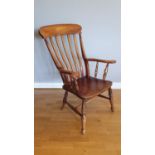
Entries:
{"x":65,"y":44}
{"x":102,"y":60}
{"x":89,"y":87}
{"x":59,"y":29}
{"x":57,"y":132}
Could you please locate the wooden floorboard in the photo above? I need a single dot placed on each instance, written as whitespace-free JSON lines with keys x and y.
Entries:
{"x":57,"y":132}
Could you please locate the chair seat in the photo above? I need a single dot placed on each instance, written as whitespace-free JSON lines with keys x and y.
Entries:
{"x":89,"y":87}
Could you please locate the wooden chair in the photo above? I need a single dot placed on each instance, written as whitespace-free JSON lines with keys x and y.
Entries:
{"x":64,"y":42}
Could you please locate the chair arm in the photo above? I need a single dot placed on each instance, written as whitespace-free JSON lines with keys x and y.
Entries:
{"x":101,"y":60}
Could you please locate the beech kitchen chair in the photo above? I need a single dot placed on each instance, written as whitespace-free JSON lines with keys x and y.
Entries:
{"x":64,"y":42}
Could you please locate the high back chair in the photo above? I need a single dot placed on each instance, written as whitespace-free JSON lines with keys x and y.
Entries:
{"x":64,"y":42}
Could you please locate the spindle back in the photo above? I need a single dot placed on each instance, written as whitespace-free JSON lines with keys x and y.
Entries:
{"x":64,"y":42}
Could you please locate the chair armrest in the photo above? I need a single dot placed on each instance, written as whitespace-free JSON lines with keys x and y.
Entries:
{"x":101,"y":60}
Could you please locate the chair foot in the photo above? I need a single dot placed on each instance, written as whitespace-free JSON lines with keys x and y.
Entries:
{"x":112,"y":109}
{"x":64,"y":100}
{"x":83,"y":132}
{"x":111,"y":99}
{"x":83,"y":124}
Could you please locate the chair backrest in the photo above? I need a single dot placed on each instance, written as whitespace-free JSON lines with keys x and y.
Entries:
{"x":64,"y":42}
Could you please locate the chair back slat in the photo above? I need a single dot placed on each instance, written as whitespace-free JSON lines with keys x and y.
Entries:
{"x":62,"y":53}
{"x":66,"y":52}
{"x":72,"y":53}
{"x":57,"y":53}
{"x":52,"y":54}
{"x":78,"y":55}
{"x":84,"y":56}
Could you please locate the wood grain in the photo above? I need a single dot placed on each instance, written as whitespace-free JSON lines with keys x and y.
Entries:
{"x":59,"y":29}
{"x":57,"y":132}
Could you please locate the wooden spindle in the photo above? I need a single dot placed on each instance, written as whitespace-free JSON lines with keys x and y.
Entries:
{"x":105,"y":71}
{"x":58,"y":65}
{"x":72,"y":52}
{"x":66,"y":52}
{"x":56,"y":53}
{"x":78,"y":55}
{"x":96,"y":69}
{"x":84,"y":56}
{"x":62,"y":53}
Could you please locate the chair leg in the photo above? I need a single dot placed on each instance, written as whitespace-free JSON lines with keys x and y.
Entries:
{"x":64,"y":100}
{"x":111,"y":99}
{"x":83,"y":118}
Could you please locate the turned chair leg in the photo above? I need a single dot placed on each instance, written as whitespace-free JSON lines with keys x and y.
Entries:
{"x":64,"y":99}
{"x":83,"y":118}
{"x":111,"y":99}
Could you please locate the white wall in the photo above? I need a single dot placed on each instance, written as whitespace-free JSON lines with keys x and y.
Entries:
{"x":100,"y":20}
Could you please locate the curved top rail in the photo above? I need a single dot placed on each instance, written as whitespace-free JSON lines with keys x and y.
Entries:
{"x":59,"y":29}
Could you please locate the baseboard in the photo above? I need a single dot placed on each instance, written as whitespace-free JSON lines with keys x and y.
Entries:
{"x":48,"y":85}
{"x":116,"y":85}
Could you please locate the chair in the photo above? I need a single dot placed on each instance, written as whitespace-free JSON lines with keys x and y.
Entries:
{"x":64,"y":42}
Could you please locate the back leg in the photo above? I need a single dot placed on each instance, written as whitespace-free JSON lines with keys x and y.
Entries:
{"x":83,"y":118}
{"x":111,"y":99}
{"x":64,"y":100}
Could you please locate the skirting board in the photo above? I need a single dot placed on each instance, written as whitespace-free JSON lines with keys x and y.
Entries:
{"x":116,"y":85}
